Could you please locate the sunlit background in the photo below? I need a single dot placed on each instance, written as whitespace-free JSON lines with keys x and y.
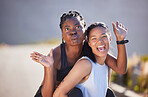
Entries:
{"x":33,"y":25}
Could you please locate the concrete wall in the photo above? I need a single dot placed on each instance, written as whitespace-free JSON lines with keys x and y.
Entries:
{"x":27,"y":21}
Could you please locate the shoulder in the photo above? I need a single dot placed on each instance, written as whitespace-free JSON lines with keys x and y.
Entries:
{"x":85,"y":60}
{"x":57,"y":51}
{"x":81,"y":69}
{"x":57,"y":56}
{"x":84,"y":64}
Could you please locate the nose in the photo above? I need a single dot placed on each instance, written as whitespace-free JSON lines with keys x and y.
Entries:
{"x":99,"y":40}
{"x":73,"y":32}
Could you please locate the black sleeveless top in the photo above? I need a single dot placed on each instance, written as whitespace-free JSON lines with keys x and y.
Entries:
{"x":64,"y":70}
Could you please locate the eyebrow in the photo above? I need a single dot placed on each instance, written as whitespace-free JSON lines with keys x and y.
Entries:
{"x":103,"y":33}
{"x":95,"y":35}
{"x":69,"y":26}
{"x":77,"y":24}
{"x":66,"y":26}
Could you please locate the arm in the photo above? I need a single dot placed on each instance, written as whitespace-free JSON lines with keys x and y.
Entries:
{"x":119,"y":65}
{"x":109,"y":75}
{"x":48,"y":82}
{"x":49,"y":72}
{"x":81,"y":69}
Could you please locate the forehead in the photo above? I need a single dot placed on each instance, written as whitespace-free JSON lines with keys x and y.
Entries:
{"x":97,"y":31}
{"x":72,"y":21}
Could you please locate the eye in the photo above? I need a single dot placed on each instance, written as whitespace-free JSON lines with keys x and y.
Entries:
{"x":104,"y":36}
{"x":78,"y":27}
{"x":93,"y":38}
{"x":66,"y":29}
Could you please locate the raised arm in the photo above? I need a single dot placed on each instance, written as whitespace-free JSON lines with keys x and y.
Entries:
{"x":119,"y":65}
{"x":49,"y":72}
{"x":81,"y":69}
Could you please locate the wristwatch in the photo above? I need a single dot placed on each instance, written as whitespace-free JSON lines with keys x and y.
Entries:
{"x":122,"y":42}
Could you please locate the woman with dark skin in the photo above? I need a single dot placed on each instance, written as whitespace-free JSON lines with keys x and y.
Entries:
{"x":73,"y":34}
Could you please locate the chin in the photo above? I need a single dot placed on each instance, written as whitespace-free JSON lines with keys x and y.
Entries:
{"x":102,"y":54}
{"x":76,"y":42}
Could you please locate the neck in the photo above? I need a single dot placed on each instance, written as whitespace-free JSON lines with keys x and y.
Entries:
{"x":74,"y":51}
{"x":100,"y":60}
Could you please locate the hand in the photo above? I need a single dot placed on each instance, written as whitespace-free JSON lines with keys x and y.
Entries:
{"x":120,"y":31}
{"x":46,"y":61}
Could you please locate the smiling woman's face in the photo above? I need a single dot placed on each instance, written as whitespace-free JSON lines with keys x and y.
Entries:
{"x":73,"y":31}
{"x":99,"y":41}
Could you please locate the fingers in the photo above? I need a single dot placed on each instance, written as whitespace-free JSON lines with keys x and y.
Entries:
{"x":37,"y":53}
{"x":114,"y":28}
{"x":117,"y":24}
{"x":36,"y":56}
{"x":35,"y":60}
{"x":51,"y":52}
{"x":120,"y":26}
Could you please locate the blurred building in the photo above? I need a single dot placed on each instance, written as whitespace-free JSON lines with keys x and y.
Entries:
{"x":29,"y":21}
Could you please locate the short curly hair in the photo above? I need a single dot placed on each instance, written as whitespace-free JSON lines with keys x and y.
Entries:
{"x":71,"y":14}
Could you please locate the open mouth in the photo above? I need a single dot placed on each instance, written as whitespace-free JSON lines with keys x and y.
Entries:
{"x":101,"y":48}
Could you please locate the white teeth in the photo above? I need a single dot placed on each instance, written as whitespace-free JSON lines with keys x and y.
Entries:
{"x":101,"y":46}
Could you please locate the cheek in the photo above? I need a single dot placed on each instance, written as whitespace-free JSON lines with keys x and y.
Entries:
{"x":81,"y":33}
{"x":92,"y":44}
{"x":65,"y":36}
{"x":107,"y":43}
{"x":106,"y":40}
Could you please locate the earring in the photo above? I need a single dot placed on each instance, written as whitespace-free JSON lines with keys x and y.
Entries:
{"x":63,"y":41}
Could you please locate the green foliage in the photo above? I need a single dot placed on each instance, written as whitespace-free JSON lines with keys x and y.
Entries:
{"x":144,"y":58}
{"x":136,"y":88}
{"x":142,"y":82}
{"x":129,"y":83}
{"x":114,"y":76}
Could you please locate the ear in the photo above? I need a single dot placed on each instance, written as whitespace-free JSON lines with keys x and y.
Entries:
{"x":85,"y":35}
{"x":89,"y":44}
{"x":62,"y":36}
{"x":109,"y":37}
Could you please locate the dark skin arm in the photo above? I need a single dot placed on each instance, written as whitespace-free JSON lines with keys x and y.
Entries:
{"x":50,"y":70}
